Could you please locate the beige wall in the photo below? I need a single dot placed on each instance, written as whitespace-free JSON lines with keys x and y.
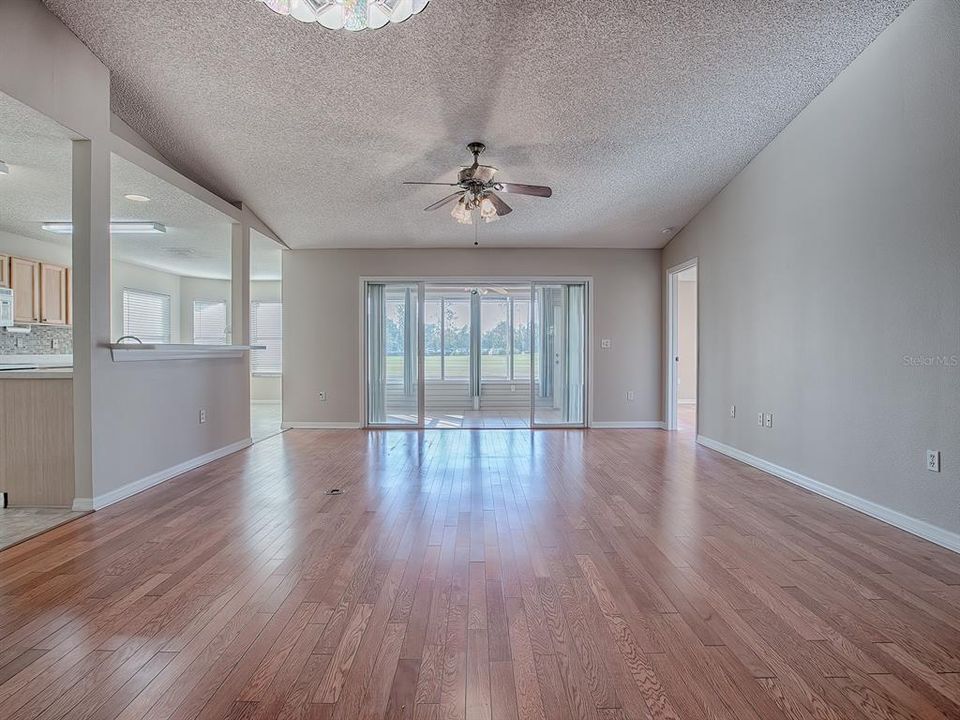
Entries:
{"x":32,"y":249}
{"x":321,"y":325}
{"x":831,"y":265}
{"x":687,"y":341}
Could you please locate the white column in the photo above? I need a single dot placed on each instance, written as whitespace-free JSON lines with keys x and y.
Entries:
{"x":240,"y":300}
{"x":240,"y":285}
{"x":91,"y":303}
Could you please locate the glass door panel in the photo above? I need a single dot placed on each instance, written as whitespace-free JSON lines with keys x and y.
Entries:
{"x":393,"y":350}
{"x":558,"y":354}
{"x":447,"y":328}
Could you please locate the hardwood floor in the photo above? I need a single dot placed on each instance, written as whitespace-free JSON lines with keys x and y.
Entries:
{"x":478,"y":574}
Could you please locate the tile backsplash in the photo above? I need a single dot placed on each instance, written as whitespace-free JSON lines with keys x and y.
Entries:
{"x":42,"y":340}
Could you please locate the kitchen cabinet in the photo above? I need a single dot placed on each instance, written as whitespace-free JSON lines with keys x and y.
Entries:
{"x":36,"y":440}
{"x":4,"y":271}
{"x":25,"y":281}
{"x":54,"y":294}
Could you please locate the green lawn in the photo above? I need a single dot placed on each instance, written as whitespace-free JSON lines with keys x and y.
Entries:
{"x":458,"y":366}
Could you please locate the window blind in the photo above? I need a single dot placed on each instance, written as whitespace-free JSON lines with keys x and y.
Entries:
{"x":266,"y":328}
{"x":210,"y":322}
{"x":146,"y":315}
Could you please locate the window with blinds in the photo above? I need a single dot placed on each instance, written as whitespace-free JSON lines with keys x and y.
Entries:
{"x":146,"y":315}
{"x":210,"y":322}
{"x":266,"y":329}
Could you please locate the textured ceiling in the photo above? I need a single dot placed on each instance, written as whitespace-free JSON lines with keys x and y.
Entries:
{"x":636,"y":111}
{"x":197,"y":241}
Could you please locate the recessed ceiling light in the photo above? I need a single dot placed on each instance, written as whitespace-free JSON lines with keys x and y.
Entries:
{"x":4,"y":168}
{"x":137,"y":198}
{"x":667,"y":230}
{"x":117,"y":228}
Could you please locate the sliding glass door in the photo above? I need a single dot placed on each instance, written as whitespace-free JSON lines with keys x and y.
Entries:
{"x":559,"y":357}
{"x":490,"y":355}
{"x":394,"y":348}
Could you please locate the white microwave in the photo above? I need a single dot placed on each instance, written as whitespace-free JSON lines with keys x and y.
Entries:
{"x":6,"y":307}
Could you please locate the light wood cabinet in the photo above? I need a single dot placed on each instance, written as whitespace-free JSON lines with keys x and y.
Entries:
{"x":36,"y":441}
{"x":25,"y":281}
{"x":4,"y":271}
{"x":54,"y":295}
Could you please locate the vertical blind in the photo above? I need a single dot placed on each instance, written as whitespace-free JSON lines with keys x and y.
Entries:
{"x":210,"y":322}
{"x":146,"y":315}
{"x":266,"y":322}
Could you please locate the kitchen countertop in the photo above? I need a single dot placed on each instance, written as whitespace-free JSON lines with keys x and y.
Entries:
{"x":36,"y":367}
{"x":44,"y":373}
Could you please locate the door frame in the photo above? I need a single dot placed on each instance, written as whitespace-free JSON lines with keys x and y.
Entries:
{"x":671,"y":346}
{"x":422,"y":281}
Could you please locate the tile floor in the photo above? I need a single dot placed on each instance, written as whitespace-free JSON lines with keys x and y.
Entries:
{"x":19,"y":524}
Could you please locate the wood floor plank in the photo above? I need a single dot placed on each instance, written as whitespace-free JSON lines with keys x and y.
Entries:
{"x":617,"y":575}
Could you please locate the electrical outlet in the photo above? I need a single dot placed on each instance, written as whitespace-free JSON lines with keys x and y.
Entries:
{"x":323,"y":396}
{"x":605,"y":343}
{"x":203,"y":416}
{"x":933,"y":460}
{"x":768,"y":420}
{"x":733,"y":411}
{"x":631,"y":395}
{"x":760,"y":419}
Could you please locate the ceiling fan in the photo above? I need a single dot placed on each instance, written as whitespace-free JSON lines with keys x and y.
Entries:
{"x":478,"y":191}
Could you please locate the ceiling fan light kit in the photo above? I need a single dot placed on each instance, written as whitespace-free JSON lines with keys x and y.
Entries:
{"x":350,"y":15}
{"x":478,"y":191}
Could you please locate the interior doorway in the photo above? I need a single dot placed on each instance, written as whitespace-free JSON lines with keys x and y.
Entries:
{"x":476,"y":354}
{"x":683,"y":371}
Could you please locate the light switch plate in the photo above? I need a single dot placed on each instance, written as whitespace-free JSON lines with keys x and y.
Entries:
{"x":933,"y":460}
{"x":203,"y":416}
{"x":605,"y":343}
{"x":323,"y":396}
{"x":768,"y":420}
{"x":733,"y":411}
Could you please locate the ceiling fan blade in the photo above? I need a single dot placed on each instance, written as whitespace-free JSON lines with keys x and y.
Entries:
{"x":446,"y":201}
{"x":431,"y":183}
{"x":518,"y":189}
{"x":500,"y":205}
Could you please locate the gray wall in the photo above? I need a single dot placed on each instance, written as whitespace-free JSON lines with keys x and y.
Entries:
{"x":321,"y":322}
{"x":830,"y":274}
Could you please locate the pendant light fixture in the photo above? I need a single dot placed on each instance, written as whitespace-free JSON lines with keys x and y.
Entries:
{"x":350,"y":15}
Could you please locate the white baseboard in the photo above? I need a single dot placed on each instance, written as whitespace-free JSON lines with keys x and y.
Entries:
{"x":320,"y":426}
{"x":137,"y":486}
{"x":920,"y":528}
{"x":627,"y":425}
